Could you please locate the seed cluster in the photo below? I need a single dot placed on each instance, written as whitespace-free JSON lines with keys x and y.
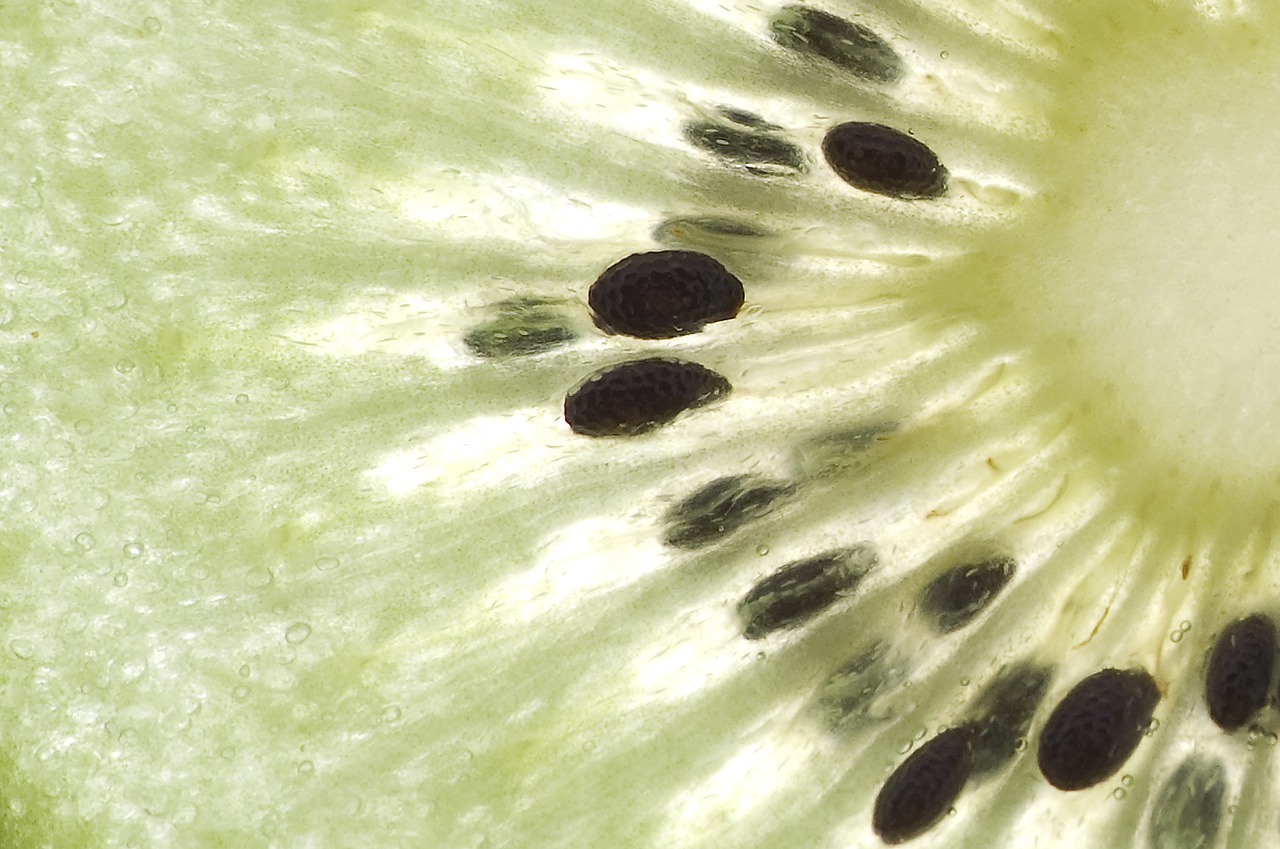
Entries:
{"x":654,"y":295}
{"x":657,"y":295}
{"x":1087,"y":738}
{"x":923,"y":788}
{"x":1097,"y":725}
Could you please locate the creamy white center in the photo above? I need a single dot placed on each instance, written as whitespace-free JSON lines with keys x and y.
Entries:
{"x":1150,"y":285}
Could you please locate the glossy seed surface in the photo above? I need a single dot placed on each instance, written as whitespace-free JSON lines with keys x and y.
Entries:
{"x":661,"y":294}
{"x":851,"y":47}
{"x":1238,"y":678}
{"x":880,"y":159}
{"x":801,"y":590}
{"x":638,"y":396}
{"x":955,"y":597}
{"x":721,"y":507}
{"x":1096,"y":727}
{"x":922,"y":789}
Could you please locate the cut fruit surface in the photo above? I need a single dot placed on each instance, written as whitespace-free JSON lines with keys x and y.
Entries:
{"x":1146,"y":282}
{"x":335,"y":516}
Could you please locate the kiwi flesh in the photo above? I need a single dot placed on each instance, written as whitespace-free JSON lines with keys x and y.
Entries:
{"x":301,"y":549}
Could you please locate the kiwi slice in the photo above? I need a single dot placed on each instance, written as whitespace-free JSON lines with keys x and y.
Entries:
{"x":300,"y":549}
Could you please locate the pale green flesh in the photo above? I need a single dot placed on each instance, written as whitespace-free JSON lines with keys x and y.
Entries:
{"x":284,"y":564}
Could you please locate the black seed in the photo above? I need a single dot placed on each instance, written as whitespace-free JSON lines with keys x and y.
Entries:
{"x":760,"y":150}
{"x":880,"y":159}
{"x":523,"y":326}
{"x":640,"y":395}
{"x":1239,"y":674}
{"x":1096,"y":727}
{"x":720,"y":508}
{"x":1188,"y":810}
{"x":1004,"y":712}
{"x":955,"y":597}
{"x":922,"y":789}
{"x":844,"y":44}
{"x":662,"y":294}
{"x":801,"y":590}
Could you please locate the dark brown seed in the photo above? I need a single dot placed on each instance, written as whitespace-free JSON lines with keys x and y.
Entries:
{"x":955,"y":597}
{"x":638,"y":396}
{"x":662,"y":294}
{"x":880,"y":159}
{"x":801,"y":590}
{"x":1239,"y":674}
{"x":1096,"y":727}
{"x":922,"y":789}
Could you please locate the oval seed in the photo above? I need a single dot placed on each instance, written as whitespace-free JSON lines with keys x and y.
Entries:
{"x":761,"y":151}
{"x":880,"y":159}
{"x":662,"y":294}
{"x":843,"y":43}
{"x":1239,"y":674}
{"x":521,"y":327}
{"x":801,"y":590}
{"x":922,"y":789}
{"x":955,"y":597}
{"x":1096,"y":727}
{"x":638,"y":396}
{"x":721,"y":507}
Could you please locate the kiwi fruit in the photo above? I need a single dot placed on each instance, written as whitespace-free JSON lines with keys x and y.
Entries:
{"x":337,"y":512}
